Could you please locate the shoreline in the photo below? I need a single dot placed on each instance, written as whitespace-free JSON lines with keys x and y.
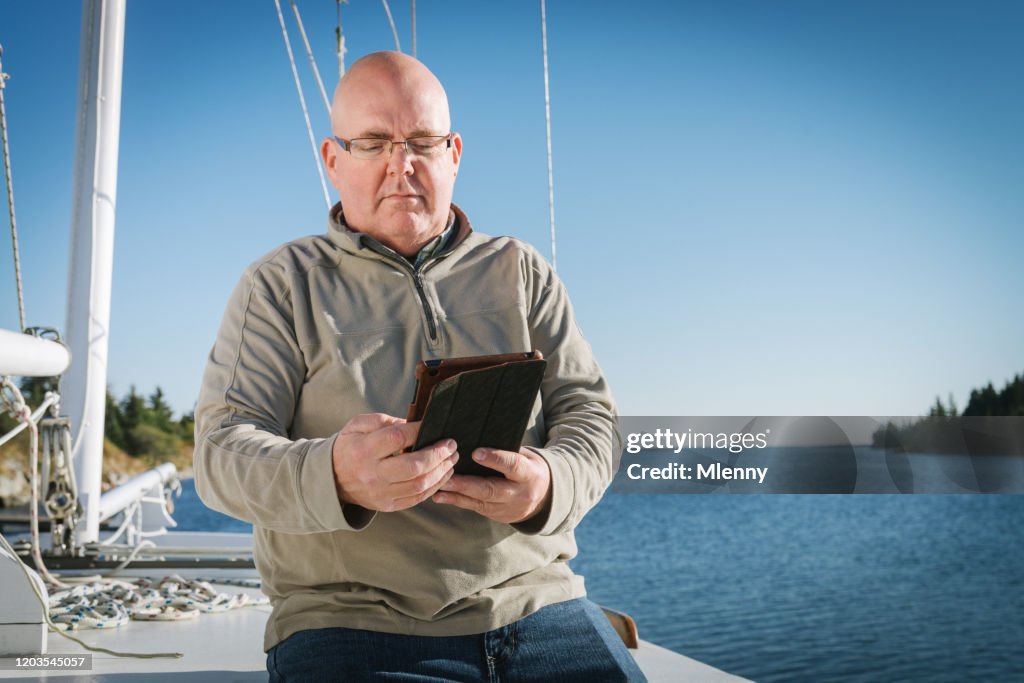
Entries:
{"x":118,"y":467}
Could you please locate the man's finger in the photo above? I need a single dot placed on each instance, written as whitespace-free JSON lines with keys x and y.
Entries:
{"x":490,"y":489}
{"x":392,"y":439}
{"x":436,"y":479}
{"x":407,"y":466}
{"x":460,"y":501}
{"x":370,"y":422}
{"x":508,"y":463}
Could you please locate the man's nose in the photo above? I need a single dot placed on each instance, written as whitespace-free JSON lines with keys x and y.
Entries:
{"x":400,"y":160}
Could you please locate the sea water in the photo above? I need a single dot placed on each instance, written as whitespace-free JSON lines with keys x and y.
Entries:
{"x":804,"y":587}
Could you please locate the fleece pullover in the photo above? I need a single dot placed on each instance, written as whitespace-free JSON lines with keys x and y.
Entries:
{"x":331,"y":326}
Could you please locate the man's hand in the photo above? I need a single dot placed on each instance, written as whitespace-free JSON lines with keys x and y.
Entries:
{"x":370,"y":469}
{"x":524,"y":492}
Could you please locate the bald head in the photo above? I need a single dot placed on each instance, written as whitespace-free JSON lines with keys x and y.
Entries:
{"x":402,"y":199}
{"x":387,"y":70}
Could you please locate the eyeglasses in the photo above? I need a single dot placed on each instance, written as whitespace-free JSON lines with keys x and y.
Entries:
{"x":379,"y":148}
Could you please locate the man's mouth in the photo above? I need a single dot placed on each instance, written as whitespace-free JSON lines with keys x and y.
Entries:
{"x":402,"y":197}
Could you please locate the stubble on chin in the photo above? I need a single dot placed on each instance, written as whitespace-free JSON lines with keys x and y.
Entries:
{"x":408,"y":234}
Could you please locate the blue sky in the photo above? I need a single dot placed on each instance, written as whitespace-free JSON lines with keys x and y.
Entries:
{"x":762,"y":208}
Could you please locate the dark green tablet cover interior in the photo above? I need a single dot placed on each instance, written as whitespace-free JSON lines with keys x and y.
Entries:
{"x":487,"y":408}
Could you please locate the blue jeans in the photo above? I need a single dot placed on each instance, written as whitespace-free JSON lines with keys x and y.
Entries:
{"x":566,"y":642}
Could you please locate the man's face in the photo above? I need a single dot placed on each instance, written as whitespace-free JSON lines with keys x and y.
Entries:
{"x":402,"y":201}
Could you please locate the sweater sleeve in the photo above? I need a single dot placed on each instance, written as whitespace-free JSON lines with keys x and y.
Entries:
{"x":583,"y":444}
{"x":245,"y":464}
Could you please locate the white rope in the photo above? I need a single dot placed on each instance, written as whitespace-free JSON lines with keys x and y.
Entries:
{"x":62,"y":503}
{"x":413,"y":12}
{"x":106,"y":603}
{"x":44,"y":602}
{"x":163,"y":550}
{"x":309,"y":54}
{"x":245,"y":583}
{"x":10,"y":196}
{"x":161,"y":503}
{"x":100,"y":604}
{"x":110,"y":603}
{"x":15,"y":405}
{"x":394,"y":31}
{"x":547,"y":119}
{"x":51,"y":399}
{"x":182,"y":595}
{"x":132,"y":555}
{"x":127,"y":522}
{"x":302,"y":101}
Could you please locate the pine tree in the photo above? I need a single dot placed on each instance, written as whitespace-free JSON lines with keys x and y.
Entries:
{"x":187,"y":426}
{"x":133,"y":412}
{"x":113,"y":422}
{"x":160,"y":413}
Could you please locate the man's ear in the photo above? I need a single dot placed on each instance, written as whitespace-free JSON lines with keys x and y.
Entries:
{"x":329,"y":152}
{"x":456,"y":151}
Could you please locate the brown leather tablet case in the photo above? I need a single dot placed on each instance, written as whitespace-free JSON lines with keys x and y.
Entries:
{"x":480,"y":401}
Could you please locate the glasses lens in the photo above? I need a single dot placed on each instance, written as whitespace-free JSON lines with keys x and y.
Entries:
{"x":427,"y":146}
{"x":377,"y":148}
{"x":369,"y":148}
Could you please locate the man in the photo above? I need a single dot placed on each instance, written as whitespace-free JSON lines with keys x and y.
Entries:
{"x":377,"y":560}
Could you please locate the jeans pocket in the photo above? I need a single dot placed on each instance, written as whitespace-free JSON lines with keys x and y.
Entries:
{"x":275,"y":677}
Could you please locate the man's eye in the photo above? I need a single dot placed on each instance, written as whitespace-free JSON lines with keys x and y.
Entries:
{"x":422,"y":145}
{"x":370,"y":147}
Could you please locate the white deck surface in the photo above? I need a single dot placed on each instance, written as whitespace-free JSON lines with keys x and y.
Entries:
{"x":228,"y":647}
{"x":665,"y":666}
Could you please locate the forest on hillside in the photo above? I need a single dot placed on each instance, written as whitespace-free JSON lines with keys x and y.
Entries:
{"x":136,"y":424}
{"x":945,"y":429}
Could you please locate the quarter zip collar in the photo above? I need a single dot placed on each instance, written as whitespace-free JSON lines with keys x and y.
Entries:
{"x":361,"y":244}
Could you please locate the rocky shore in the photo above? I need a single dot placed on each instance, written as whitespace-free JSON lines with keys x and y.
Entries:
{"x":118,"y":466}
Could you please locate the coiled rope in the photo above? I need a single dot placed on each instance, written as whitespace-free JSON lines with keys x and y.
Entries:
{"x":105,"y":603}
{"x":111,"y":603}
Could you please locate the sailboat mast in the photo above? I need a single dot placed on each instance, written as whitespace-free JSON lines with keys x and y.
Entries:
{"x":92,"y":246}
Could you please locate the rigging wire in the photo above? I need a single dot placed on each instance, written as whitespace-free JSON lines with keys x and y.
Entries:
{"x":309,"y":54}
{"x":413,"y":13}
{"x":302,"y":101}
{"x":10,"y":196}
{"x":340,"y":40}
{"x":391,"y":20}
{"x":547,"y":119}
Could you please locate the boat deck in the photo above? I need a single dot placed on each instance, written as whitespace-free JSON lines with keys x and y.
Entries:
{"x":226,"y":646}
